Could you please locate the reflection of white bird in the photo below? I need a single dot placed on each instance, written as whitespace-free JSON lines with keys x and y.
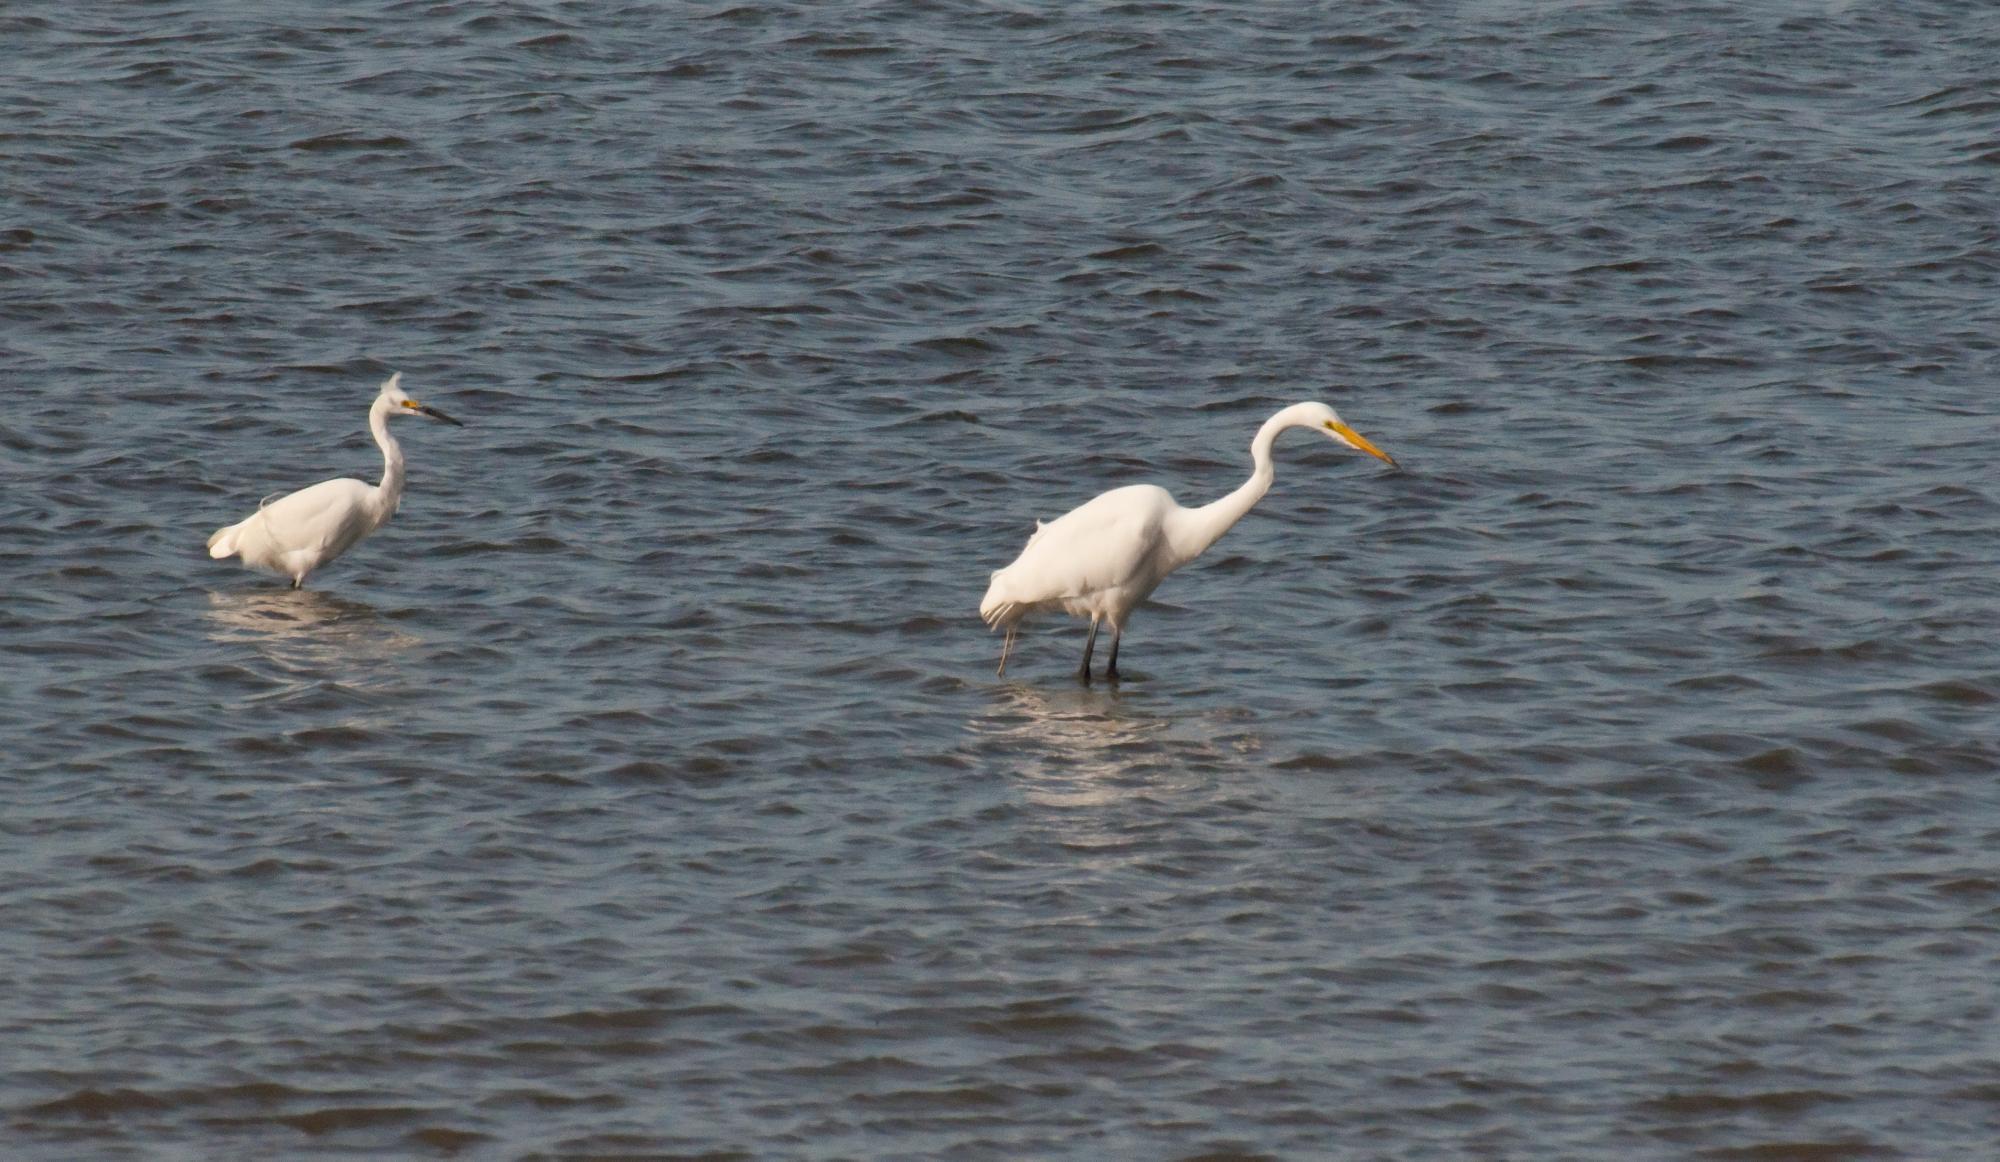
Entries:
{"x":309,"y":629}
{"x":296,"y":534}
{"x":1102,"y":559}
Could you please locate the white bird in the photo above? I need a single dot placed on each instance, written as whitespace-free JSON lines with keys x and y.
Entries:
{"x":1101,"y":559}
{"x":297,"y":533}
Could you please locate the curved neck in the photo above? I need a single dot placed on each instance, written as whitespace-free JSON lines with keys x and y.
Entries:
{"x":1193,"y":530}
{"x":391,"y":488}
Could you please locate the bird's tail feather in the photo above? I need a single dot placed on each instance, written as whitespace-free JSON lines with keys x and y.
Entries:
{"x":223,"y":543}
{"x":998,"y":607}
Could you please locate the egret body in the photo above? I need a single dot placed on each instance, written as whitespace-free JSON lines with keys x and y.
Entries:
{"x":294,"y":534}
{"x":1102,"y":559}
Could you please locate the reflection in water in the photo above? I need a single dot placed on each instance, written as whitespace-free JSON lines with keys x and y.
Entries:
{"x":1080,"y":747}
{"x":309,"y":631}
{"x":1079,"y":741}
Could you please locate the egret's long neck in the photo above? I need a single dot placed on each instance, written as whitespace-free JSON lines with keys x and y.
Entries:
{"x":390,"y":491}
{"x":1192,"y":530}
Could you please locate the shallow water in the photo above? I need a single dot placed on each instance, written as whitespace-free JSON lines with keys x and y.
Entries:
{"x":1617,"y":778}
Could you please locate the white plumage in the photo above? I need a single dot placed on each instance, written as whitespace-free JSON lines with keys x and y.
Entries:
{"x":1101,"y":559}
{"x":293,"y":535}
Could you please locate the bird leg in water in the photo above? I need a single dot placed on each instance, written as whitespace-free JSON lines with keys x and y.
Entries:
{"x":1111,"y":670}
{"x":1006,"y":647}
{"x":1089,"y":644}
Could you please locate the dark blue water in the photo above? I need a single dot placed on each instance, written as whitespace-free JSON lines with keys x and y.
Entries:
{"x":1617,"y":779}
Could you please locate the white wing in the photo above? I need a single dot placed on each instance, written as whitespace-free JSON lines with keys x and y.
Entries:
{"x":1114,"y":542}
{"x":322,"y":522}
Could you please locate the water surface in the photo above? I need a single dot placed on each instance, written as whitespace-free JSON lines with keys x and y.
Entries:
{"x":1616,"y":779}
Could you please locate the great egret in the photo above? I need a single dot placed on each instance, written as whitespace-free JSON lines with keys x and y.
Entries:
{"x":1100,"y":560}
{"x":295,"y":534}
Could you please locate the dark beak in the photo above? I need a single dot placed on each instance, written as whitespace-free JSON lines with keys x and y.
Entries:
{"x":437,"y":415}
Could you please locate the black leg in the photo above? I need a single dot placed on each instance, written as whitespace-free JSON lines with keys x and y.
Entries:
{"x":1111,"y":671}
{"x":1089,"y":644}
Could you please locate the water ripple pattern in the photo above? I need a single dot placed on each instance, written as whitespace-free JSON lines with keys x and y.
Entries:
{"x":1619,"y":779}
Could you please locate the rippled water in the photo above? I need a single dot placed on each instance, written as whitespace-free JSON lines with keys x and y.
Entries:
{"x":1619,"y":778}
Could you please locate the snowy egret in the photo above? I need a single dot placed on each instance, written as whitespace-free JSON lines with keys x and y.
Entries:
{"x":297,"y":533}
{"x":1101,"y":559}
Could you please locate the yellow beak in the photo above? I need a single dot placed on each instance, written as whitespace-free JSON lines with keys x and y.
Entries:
{"x":1358,"y":440}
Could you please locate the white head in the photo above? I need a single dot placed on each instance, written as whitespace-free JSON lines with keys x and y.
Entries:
{"x":1318,"y":415}
{"x":397,"y":402}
